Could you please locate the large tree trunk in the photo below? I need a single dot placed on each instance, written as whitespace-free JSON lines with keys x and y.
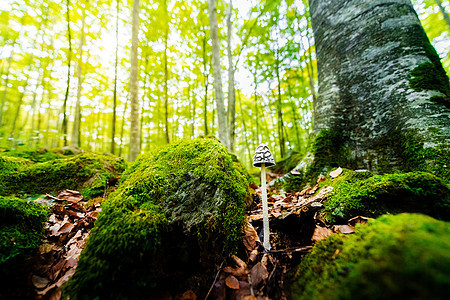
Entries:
{"x":231,"y":92}
{"x":382,"y":88}
{"x":221,"y":113}
{"x":134,"y":86}
{"x":76,"y":129}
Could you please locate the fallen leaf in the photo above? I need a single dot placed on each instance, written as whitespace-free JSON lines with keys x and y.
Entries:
{"x":249,"y":298}
{"x":250,"y":238}
{"x":358,"y":219}
{"x":295,"y":172}
{"x":320,"y":233}
{"x":336,"y":253}
{"x":188,"y":295}
{"x":232,"y":282}
{"x":336,"y":172}
{"x":258,"y":274}
{"x":253,"y":185}
{"x":70,"y":196}
{"x":243,"y":291}
{"x":253,"y":255}
{"x":45,"y":248}
{"x":67,"y":227}
{"x":343,"y":229}
{"x":320,"y":178}
{"x":39,"y":282}
{"x":240,"y":270}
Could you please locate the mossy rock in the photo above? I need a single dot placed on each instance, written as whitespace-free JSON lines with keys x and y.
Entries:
{"x":21,"y":225}
{"x":38,"y":155}
{"x":176,"y":213}
{"x":362,"y":193}
{"x":87,"y":172}
{"x":393,"y":257}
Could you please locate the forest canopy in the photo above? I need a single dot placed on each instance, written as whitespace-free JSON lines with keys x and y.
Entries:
{"x":66,"y":80}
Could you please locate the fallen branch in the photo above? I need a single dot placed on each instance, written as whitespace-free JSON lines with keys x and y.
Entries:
{"x":290,"y":250}
{"x":214,"y":282}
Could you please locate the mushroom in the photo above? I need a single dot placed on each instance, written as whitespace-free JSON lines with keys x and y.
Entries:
{"x":263,"y":158}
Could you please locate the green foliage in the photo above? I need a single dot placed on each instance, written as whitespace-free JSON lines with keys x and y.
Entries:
{"x":394,"y":257}
{"x":390,"y":193}
{"x":189,"y":194}
{"x":87,"y":172}
{"x":21,"y":225}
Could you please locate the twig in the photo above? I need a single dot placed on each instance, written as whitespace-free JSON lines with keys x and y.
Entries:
{"x":214,"y":282}
{"x":53,"y":197}
{"x":302,"y":249}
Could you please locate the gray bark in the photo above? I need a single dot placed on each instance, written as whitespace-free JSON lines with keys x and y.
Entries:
{"x":221,"y":114}
{"x":231,"y":92}
{"x":75,"y":142}
{"x":114,"y":117}
{"x":366,"y":52}
{"x":444,"y":13}
{"x":134,"y":86}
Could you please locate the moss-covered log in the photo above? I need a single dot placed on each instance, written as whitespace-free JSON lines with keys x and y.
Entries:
{"x":21,"y":225}
{"x":177,"y":212}
{"x":87,"y":172}
{"x":394,"y":257}
{"x":378,"y":76}
{"x":362,"y":193}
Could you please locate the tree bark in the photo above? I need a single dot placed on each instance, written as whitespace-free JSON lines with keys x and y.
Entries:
{"x":231,"y":91}
{"x":134,"y":86}
{"x":221,"y":113}
{"x":76,"y":129}
{"x":69,"y":58}
{"x":444,"y":13}
{"x":114,"y":116}
{"x":166,"y":77}
{"x":375,"y":95}
{"x":205,"y":78}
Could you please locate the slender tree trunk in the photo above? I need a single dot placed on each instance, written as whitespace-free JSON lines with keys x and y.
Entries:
{"x":280,"y":124}
{"x":444,"y":13}
{"x":48,"y":110}
{"x":76,"y":130}
{"x":221,"y":114}
{"x":231,"y":92}
{"x":245,"y":129}
{"x":2,"y":104}
{"x":141,"y":132}
{"x":194,"y":107}
{"x":69,"y":58}
{"x":294,"y":115}
{"x":166,"y":78}
{"x":206,"y":77}
{"x":256,"y":109}
{"x":113,"y":121}
{"x":134,"y":86}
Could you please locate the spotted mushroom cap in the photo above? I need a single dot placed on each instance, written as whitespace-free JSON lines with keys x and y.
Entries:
{"x":263,"y":156}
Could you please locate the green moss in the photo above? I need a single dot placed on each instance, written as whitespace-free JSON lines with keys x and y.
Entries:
{"x":21,"y":225}
{"x":431,"y":76}
{"x":87,"y":172}
{"x":287,"y":164}
{"x":39,"y":155}
{"x":329,"y":152}
{"x":174,"y":207}
{"x":390,"y":193}
{"x":394,"y":257}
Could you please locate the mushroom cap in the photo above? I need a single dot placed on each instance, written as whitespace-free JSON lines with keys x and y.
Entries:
{"x":263,"y":156}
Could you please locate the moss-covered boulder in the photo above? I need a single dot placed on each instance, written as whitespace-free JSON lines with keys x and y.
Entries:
{"x":21,"y":225}
{"x":38,"y":155}
{"x":87,"y":172}
{"x":362,"y":193}
{"x":394,"y":257}
{"x":175,"y":214}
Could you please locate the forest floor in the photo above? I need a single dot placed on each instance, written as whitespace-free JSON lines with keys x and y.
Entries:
{"x":252,"y":273}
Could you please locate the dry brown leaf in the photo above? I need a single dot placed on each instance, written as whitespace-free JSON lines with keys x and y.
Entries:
{"x":253,"y":185}
{"x":320,"y":178}
{"x":240,"y":270}
{"x":250,"y":238}
{"x":39,"y":282}
{"x":249,"y":298}
{"x":67,"y":227}
{"x":320,"y":233}
{"x":70,"y":196}
{"x":343,"y":229}
{"x":258,"y":274}
{"x":336,"y":172}
{"x":336,"y":253}
{"x":243,"y":291}
{"x":295,"y":172}
{"x":358,"y":219}
{"x":253,"y":255}
{"x":188,"y":295}
{"x":232,"y":282}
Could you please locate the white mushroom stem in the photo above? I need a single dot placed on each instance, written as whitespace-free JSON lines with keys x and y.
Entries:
{"x":266,"y":242}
